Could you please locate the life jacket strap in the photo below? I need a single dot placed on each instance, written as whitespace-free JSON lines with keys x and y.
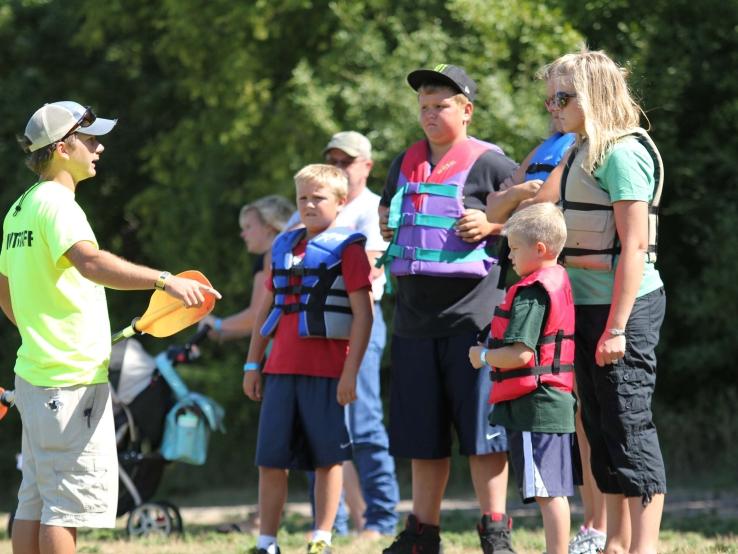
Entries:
{"x":303,"y":289}
{"x":301,"y":271}
{"x":586,"y":206}
{"x":497,"y":375}
{"x":435,"y":189}
{"x":427,"y":220}
{"x":589,"y":251}
{"x":300,"y":307}
{"x":433,"y":255}
{"x":535,"y":168}
{"x":555,"y":338}
{"x":499,"y":343}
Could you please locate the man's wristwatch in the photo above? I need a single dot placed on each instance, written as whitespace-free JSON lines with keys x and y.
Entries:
{"x":615,"y":332}
{"x":161,"y":281}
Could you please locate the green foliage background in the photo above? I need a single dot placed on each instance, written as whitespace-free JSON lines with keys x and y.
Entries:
{"x":221,"y":102}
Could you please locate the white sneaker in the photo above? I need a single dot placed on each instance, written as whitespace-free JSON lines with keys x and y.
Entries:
{"x":587,"y":541}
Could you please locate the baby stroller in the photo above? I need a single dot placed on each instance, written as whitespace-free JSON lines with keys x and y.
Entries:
{"x":157,"y":421}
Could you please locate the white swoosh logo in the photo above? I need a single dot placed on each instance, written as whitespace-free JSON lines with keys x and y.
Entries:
{"x":349,"y":444}
{"x":490,"y":436}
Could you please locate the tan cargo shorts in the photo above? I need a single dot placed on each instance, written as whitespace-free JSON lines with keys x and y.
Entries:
{"x":70,"y":463}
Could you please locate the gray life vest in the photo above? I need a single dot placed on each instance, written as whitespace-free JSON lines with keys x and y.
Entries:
{"x":592,"y":241}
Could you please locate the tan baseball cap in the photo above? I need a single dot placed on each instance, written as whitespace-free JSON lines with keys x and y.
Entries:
{"x":353,"y":143}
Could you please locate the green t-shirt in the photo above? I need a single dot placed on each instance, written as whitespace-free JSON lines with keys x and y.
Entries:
{"x":625,"y":174}
{"x":546,"y":409}
{"x":62,"y":317}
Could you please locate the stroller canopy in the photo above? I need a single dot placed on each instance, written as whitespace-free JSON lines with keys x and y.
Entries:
{"x":136,"y":367}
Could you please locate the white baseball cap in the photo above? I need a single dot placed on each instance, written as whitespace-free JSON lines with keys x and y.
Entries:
{"x":52,"y":122}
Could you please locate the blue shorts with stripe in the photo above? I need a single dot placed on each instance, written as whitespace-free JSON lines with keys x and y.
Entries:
{"x":542,"y":463}
{"x":301,"y":424}
{"x":435,"y":389}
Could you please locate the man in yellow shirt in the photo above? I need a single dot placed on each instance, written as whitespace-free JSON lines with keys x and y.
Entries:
{"x":52,"y":279}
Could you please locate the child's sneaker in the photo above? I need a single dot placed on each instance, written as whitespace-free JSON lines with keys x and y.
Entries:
{"x":319,"y":547}
{"x":495,"y":536}
{"x":417,"y":538}
{"x":256,"y":550}
{"x":587,"y":541}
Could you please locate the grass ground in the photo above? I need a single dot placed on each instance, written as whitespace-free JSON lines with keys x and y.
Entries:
{"x":709,"y":531}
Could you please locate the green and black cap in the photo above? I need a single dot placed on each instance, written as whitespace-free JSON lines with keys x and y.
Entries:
{"x":451,"y":75}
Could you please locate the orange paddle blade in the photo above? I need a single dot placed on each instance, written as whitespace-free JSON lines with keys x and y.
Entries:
{"x":166,"y":315}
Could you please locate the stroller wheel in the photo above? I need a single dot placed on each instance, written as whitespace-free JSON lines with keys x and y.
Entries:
{"x":174,"y":514}
{"x":150,"y":518}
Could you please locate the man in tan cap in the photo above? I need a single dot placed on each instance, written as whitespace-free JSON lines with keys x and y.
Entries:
{"x":352,"y":152}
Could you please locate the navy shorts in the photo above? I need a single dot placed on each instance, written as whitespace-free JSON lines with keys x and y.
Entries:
{"x":434,"y":388}
{"x":301,"y":424}
{"x":542,"y":463}
{"x":616,"y":400}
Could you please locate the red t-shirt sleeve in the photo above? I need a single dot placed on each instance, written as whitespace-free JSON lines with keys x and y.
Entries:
{"x":355,"y":268}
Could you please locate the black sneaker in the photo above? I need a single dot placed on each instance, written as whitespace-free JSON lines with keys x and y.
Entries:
{"x":417,"y":538}
{"x":494,"y":536}
{"x":255,"y":550}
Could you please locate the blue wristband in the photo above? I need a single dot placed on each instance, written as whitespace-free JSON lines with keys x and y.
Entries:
{"x":217,"y":325}
{"x":251,"y":366}
{"x":483,"y":355}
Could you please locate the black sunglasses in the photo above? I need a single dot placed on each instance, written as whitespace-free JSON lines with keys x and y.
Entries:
{"x":559,"y":100}
{"x":87,"y":119}
{"x":340,"y":164}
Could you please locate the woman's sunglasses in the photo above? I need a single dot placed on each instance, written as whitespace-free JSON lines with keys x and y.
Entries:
{"x":87,"y":119}
{"x":559,"y":100}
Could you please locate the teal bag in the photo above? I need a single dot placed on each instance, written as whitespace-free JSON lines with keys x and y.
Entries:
{"x":189,"y":423}
{"x":187,"y":429}
{"x":186,"y":437}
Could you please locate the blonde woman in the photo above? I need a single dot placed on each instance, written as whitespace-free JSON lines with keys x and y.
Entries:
{"x":260,"y":222}
{"x":609,"y":187}
{"x":524,"y":184}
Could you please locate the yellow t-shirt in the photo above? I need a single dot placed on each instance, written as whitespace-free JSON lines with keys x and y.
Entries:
{"x":62,"y":317}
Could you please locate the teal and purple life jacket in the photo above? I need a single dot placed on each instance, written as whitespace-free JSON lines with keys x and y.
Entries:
{"x":324,"y":309}
{"x":424,"y":211}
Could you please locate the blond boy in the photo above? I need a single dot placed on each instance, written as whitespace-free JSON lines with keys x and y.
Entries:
{"x":318,"y":310}
{"x":531,"y":355}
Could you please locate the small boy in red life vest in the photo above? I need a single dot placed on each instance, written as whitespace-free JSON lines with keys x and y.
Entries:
{"x":530,"y":352}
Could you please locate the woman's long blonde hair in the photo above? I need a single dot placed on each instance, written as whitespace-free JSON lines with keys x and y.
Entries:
{"x":602,"y":92}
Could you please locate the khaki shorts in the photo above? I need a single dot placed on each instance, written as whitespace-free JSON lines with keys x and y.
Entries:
{"x":70,"y":463}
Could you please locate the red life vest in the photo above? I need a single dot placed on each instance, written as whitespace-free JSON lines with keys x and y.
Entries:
{"x":553,"y":362}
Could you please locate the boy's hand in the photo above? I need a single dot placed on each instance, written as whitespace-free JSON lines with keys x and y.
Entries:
{"x":387,"y":232}
{"x":252,"y":385}
{"x":346,"y":390}
{"x":474,"y":353}
{"x":609,"y":349}
{"x":473,"y":226}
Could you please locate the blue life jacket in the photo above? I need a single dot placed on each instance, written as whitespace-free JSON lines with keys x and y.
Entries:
{"x":548,"y":155}
{"x":545,"y":159}
{"x":324,"y":308}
